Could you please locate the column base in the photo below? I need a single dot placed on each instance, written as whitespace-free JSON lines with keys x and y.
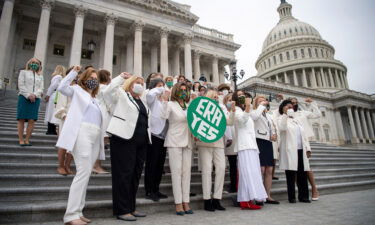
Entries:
{"x":355,"y":141}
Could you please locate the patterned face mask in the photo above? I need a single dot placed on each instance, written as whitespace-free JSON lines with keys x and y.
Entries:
{"x":183,"y":94}
{"x":34,"y":66}
{"x":241,"y":100}
{"x":92,"y":84}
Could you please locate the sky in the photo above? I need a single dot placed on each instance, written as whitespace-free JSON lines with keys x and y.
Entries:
{"x":348,"y":25}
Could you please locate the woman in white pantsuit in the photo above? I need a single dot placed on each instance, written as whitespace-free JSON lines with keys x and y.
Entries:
{"x":178,"y":143}
{"x":83,"y":135}
{"x":57,"y":76}
{"x":250,"y":183}
{"x":212,"y":154}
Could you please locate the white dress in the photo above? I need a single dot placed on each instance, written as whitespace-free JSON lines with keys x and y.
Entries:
{"x":50,"y":108}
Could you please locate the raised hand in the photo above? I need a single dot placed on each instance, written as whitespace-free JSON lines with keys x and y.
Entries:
{"x":77,"y":68}
{"x":247,"y":101}
{"x":125,"y":75}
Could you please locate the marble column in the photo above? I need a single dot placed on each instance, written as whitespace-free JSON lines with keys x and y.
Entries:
{"x":197,"y":66}
{"x":154,"y":57}
{"x":42,"y":36}
{"x":76,"y":47}
{"x":129,"y":66}
{"x":277,"y":77}
{"x":295,"y":78}
{"x":345,"y":78}
{"x":138,"y":28}
{"x":319,"y":75}
{"x":352,"y":125}
{"x":324,"y":81}
{"x":164,"y":65}
{"x":110,"y":20}
{"x":364,"y":123}
{"x":5,"y":25}
{"x":331,"y":78}
{"x":358,"y":123}
{"x":176,"y":60}
{"x":286,"y":78}
{"x":304,"y":78}
{"x":187,"y":52}
{"x":340,"y":128}
{"x":338,"y":81}
{"x":313,"y":78}
{"x":215,"y":70}
{"x":369,"y":122}
{"x":373,"y":120}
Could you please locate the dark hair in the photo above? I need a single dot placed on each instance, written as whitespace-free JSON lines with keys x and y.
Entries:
{"x":88,"y":67}
{"x":282,"y":105}
{"x":84,"y":77}
{"x":104,"y":76}
{"x":155,"y":82}
{"x":235,"y":98}
{"x":180,"y":77}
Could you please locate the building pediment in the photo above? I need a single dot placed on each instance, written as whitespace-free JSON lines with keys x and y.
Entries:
{"x":166,"y":7}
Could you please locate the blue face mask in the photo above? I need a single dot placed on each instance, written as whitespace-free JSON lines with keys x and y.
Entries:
{"x":229,"y":105}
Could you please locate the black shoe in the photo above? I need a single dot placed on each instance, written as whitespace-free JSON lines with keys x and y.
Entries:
{"x":232,"y":191}
{"x":272,"y":202}
{"x":259,"y":203}
{"x":216,"y":204}
{"x":275,"y":178}
{"x":192,"y":194}
{"x":292,"y":201}
{"x":304,"y":200}
{"x":161,"y":195}
{"x":208,"y":205}
{"x":235,"y":202}
{"x":153,"y":196}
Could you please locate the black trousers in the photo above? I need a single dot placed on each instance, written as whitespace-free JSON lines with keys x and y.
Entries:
{"x":155,"y":159}
{"x":51,"y":128}
{"x":127,"y":159}
{"x":232,"y":159}
{"x":303,"y":189}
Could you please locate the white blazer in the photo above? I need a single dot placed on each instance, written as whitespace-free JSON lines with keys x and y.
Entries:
{"x":125,"y":110}
{"x":303,"y":116}
{"x":244,"y":132}
{"x":80,"y":102}
{"x":288,"y":144}
{"x":178,"y":134}
{"x":30,"y":82}
{"x":264,"y":127}
{"x":155,"y":104}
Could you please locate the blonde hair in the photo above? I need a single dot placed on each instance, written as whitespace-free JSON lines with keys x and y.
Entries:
{"x":130,"y":81}
{"x":211,"y":94}
{"x":226,"y":98}
{"x":59,"y":70}
{"x":168,"y":77}
{"x":255,"y":102}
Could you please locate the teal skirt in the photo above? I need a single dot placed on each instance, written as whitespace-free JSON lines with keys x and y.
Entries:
{"x":26,"y":109}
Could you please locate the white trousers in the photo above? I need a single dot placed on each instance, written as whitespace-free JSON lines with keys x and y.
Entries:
{"x":85,"y":153}
{"x":250,"y":182}
{"x":209,"y":157}
{"x":180,"y":165}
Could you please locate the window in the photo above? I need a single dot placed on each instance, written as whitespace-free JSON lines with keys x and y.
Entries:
{"x":316,"y":53}
{"x":28,"y":44}
{"x":296,"y":29}
{"x":274,"y":60}
{"x":58,"y":50}
{"x":86,"y":54}
{"x":281,"y":57}
{"x":303,"y":53}
{"x":321,"y":51}
{"x":295,"y":54}
{"x":316,"y":132}
{"x":264,"y":65}
{"x":285,"y":32}
{"x":287,"y":56}
{"x":269,"y":62}
{"x":327,"y":53}
{"x":323,"y":114}
{"x":290,"y":31}
{"x":114,"y":60}
{"x":310,"y":54}
{"x":326,"y":132}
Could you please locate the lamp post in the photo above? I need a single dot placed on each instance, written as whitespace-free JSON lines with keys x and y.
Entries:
{"x":234,"y":76}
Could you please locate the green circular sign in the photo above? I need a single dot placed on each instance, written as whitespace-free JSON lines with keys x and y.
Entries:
{"x":206,"y":120}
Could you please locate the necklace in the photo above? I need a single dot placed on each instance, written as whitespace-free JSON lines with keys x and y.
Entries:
{"x":183,"y":107}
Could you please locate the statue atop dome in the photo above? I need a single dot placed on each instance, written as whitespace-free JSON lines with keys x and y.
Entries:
{"x":283,"y":1}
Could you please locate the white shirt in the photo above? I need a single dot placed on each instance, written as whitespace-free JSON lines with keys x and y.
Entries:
{"x":93,"y":114}
{"x":299,"y":137}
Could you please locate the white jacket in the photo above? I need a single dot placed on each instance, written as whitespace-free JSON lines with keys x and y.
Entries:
{"x":178,"y":134}
{"x":263,"y":125}
{"x":30,"y":82}
{"x":244,"y":135}
{"x":155,"y":104}
{"x":288,"y":144}
{"x":125,"y":110}
{"x":80,"y":101}
{"x":303,"y":116}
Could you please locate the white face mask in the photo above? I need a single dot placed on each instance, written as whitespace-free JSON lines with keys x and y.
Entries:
{"x":225,"y":92}
{"x":138,"y":89}
{"x":290,"y":112}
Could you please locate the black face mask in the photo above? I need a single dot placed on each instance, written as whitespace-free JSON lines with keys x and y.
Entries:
{"x":295,"y":107}
{"x":268,"y":107}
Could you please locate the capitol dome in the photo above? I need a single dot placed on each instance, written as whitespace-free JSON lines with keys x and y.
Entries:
{"x":295,"y":53}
